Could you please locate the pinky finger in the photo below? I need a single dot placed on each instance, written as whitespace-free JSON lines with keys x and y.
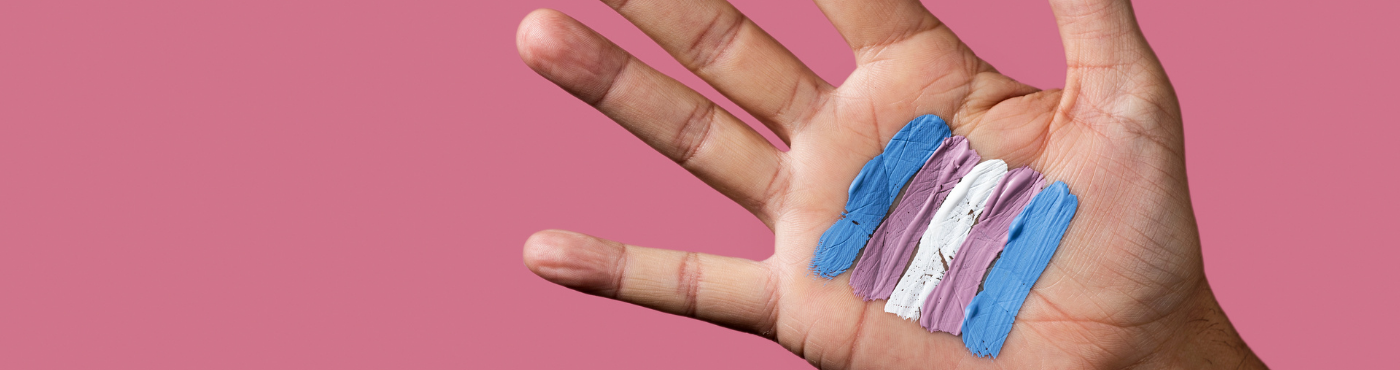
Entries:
{"x":732,"y":292}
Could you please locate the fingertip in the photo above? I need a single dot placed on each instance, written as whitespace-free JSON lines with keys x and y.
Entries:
{"x":548,"y":37}
{"x":530,"y":37}
{"x":541,"y":248}
{"x":565,"y":51}
{"x":574,"y":260}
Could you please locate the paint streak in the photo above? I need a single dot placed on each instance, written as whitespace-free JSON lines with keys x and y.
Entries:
{"x":1033,"y":238}
{"x":940,"y":243}
{"x":944,"y":308}
{"x":872,"y":192}
{"x":889,"y":249}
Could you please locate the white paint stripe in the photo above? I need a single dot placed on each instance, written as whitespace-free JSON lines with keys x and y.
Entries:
{"x":945,"y":234}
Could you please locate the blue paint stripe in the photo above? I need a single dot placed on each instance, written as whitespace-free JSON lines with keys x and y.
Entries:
{"x":873,"y":190}
{"x":1032,"y":240}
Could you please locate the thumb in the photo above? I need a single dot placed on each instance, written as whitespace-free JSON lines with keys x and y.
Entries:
{"x":733,"y":292}
{"x":1101,"y":34}
{"x":1113,"y":72}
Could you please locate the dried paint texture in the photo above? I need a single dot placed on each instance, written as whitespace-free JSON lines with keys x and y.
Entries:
{"x":1032,"y":240}
{"x":888,"y":250}
{"x":944,"y":308}
{"x":940,"y":243}
{"x":874,"y":190}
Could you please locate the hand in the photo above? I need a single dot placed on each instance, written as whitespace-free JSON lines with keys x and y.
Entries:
{"x":1126,"y":287}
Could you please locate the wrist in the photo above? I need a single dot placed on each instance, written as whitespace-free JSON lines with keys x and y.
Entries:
{"x":1204,"y":338}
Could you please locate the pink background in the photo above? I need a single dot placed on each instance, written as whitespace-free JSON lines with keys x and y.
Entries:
{"x":333,"y":184}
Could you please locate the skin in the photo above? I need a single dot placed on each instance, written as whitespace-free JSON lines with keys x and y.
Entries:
{"x":1126,"y":288}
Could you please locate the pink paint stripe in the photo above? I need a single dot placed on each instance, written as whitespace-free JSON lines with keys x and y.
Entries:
{"x":946,"y":305}
{"x":879,"y":269}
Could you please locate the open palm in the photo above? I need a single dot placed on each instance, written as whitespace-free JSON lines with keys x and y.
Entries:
{"x":1126,"y":287}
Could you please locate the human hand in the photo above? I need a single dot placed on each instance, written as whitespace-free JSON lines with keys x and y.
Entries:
{"x":1126,"y":287}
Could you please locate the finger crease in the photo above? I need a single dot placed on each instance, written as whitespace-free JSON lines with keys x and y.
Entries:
{"x":619,"y":273}
{"x":689,"y":282}
{"x":708,"y":48}
{"x":928,"y":24}
{"x":784,"y":110}
{"x":775,"y":193}
{"x":769,"y":327}
{"x":693,"y":133}
{"x":612,"y":82}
